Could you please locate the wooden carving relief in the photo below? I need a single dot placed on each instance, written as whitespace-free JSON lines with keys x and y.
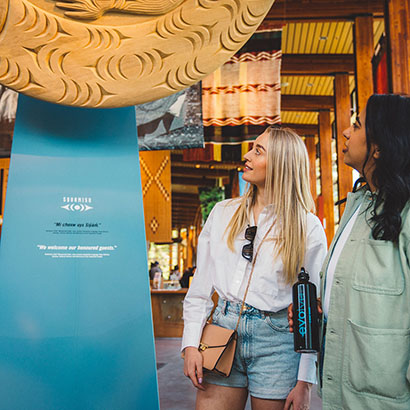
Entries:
{"x":112,"y":53}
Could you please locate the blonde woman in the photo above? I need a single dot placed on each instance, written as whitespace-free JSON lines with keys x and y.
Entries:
{"x":265,"y":365}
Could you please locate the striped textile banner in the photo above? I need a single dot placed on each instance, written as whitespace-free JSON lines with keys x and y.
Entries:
{"x":246,"y":90}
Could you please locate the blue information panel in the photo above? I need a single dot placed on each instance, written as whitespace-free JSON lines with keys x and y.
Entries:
{"x":75,"y":317}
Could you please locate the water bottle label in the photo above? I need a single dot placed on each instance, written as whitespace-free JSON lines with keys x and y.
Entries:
{"x":301,"y":310}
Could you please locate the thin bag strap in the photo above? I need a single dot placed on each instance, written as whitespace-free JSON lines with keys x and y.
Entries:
{"x":250,"y":276}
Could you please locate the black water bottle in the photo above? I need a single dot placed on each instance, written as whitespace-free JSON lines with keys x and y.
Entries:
{"x":305,"y":315}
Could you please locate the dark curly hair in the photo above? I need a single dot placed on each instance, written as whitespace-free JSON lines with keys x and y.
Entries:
{"x":388,"y":127}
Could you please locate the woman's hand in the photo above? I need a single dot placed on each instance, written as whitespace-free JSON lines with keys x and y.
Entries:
{"x":290,"y":313}
{"x":299,"y":396}
{"x":193,"y":366}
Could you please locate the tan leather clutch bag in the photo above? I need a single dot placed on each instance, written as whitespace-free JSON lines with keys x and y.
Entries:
{"x":218,"y":347}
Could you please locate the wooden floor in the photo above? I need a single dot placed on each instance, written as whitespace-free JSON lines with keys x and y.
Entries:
{"x":175,"y":390}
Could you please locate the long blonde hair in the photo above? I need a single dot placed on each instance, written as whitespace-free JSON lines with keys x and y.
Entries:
{"x":287,"y":188}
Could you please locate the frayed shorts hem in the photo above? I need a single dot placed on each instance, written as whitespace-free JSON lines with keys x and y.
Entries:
{"x":257,"y":395}
{"x":269,"y":396}
{"x":226,"y":383}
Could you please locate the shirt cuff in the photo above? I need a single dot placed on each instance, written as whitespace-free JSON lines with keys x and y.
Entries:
{"x":307,"y":368}
{"x":192,"y":335}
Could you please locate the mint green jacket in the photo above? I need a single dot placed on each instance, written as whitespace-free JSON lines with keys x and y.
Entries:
{"x":367,"y":342}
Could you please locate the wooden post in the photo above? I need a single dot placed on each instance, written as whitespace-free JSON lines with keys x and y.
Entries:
{"x":189,"y":245}
{"x":170,"y":265}
{"x":398,"y":29}
{"x":4,"y":173}
{"x":311,"y":149}
{"x":325,"y":140}
{"x":364,"y":49}
{"x":342,"y":112}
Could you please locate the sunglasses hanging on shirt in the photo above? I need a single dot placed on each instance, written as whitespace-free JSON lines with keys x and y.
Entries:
{"x":247,"y":250}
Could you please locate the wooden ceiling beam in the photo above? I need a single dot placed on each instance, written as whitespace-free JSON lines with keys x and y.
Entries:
{"x":304,"y":129}
{"x":181,"y":196}
{"x":306,"y":102}
{"x":189,"y":218}
{"x":184,"y":205}
{"x":320,"y":10}
{"x":192,"y":181}
{"x":199,"y":172}
{"x":317,"y":64}
{"x":182,"y":224}
{"x":183,"y":214}
{"x":179,"y":200}
{"x":181,"y":217}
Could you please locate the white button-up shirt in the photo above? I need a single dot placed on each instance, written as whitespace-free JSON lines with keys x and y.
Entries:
{"x":226,"y":272}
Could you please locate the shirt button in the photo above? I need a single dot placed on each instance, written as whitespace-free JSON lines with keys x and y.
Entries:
{"x":337,"y":282}
{"x":332,"y":331}
{"x":329,"y":378}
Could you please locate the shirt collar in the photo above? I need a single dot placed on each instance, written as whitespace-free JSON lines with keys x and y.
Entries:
{"x":266,"y":211}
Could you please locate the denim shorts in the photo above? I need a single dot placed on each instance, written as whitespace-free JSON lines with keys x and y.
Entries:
{"x":265,"y":362}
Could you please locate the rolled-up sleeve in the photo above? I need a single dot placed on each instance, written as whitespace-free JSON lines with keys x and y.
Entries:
{"x":316,"y":249}
{"x":198,"y":301}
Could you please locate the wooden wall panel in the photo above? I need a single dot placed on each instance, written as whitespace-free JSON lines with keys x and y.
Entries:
{"x":156,"y":191}
{"x":398,"y":27}
{"x":325,"y":138}
{"x":342,"y":111}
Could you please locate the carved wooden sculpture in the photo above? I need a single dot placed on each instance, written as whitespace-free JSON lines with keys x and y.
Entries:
{"x":112,"y":53}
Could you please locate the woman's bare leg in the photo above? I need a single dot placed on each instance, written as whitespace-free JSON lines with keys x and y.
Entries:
{"x":221,"y":398}
{"x":264,"y":404}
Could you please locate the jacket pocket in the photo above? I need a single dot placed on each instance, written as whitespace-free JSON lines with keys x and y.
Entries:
{"x":378,"y":268}
{"x":376,"y":361}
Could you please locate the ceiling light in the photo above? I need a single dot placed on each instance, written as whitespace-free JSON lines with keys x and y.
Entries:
{"x":284,"y":84}
{"x":323,"y":38}
{"x":309,"y":85}
{"x":197,"y":166}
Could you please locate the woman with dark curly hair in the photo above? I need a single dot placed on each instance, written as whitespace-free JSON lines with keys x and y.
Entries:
{"x":365,"y":356}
